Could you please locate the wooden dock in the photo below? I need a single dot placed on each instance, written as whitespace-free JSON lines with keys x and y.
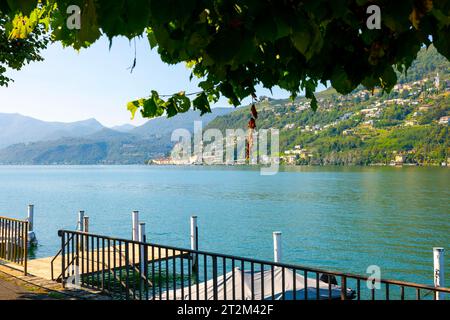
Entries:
{"x":103,"y":259}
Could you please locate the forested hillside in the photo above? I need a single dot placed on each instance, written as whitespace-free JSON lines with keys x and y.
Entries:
{"x":408,"y":125}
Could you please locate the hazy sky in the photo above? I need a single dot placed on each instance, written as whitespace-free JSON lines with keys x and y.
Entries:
{"x":95,"y":83}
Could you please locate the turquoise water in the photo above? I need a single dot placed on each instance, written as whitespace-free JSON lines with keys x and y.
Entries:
{"x":337,"y":218}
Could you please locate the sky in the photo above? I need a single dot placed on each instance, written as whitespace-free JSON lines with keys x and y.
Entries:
{"x":96,"y":83}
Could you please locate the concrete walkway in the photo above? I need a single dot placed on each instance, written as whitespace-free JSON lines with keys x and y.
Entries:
{"x":14,"y":285}
{"x":12,"y":289}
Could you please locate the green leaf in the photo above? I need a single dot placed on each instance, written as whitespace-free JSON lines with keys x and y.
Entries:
{"x":301,"y":40}
{"x":153,"y":107}
{"x":314,"y":104}
{"x":133,"y":106}
{"x":310,"y":87}
{"x":340,"y":81}
{"x":178,"y":103}
{"x":171,"y":107}
{"x":441,"y":41}
{"x":24,"y":6}
{"x":183,"y":103}
{"x":151,"y":38}
{"x":388,"y":78}
{"x":266,"y":28}
{"x":201,"y":103}
{"x":223,"y":48}
{"x":228,"y":91}
{"x":4,"y":7}
{"x":89,"y":31}
{"x":283,"y":28}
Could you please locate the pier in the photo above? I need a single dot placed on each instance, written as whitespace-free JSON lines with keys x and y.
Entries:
{"x":98,"y":260}
{"x":135,"y":269}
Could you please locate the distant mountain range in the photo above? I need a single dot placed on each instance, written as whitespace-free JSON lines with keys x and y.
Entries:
{"x":25,"y":140}
{"x":124,"y":128}
{"x":16,"y":128}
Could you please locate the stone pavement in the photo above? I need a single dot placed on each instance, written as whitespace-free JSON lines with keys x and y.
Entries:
{"x":16,"y":286}
{"x":12,"y":289}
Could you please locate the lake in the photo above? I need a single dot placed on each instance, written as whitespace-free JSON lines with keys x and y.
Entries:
{"x":339,"y":218}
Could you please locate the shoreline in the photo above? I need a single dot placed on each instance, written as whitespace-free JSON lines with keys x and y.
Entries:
{"x":412,"y":165}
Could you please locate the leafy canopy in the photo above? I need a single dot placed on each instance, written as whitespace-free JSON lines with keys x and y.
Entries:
{"x":234,"y":45}
{"x":21,"y":44}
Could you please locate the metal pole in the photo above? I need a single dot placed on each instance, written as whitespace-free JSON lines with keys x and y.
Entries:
{"x":439,"y":276}
{"x":194,"y":242}
{"x":32,"y":241}
{"x":194,"y":233}
{"x":30,"y":217}
{"x":135,"y":225}
{"x":142,"y":236}
{"x":25,"y":249}
{"x":277,"y":246}
{"x":142,"y":257}
{"x":63,"y":259}
{"x":80,"y":224}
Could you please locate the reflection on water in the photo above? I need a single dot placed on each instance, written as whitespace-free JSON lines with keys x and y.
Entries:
{"x":337,"y":218}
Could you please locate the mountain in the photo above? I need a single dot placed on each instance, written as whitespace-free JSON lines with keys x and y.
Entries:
{"x":161,"y":126}
{"x":124,"y":128}
{"x":104,"y":145}
{"x":76,"y":151}
{"x":16,"y":128}
{"x":407,"y":125}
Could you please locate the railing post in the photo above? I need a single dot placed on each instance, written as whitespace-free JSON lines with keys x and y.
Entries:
{"x":439,"y":276}
{"x":277,"y":254}
{"x":6,"y":238}
{"x":86,"y":230}
{"x":25,"y":249}
{"x":215,"y":291}
{"x":343,"y":288}
{"x":135,"y":225}
{"x":194,"y":242}
{"x":127,"y":268}
{"x":63,"y":258}
{"x":142,"y":258}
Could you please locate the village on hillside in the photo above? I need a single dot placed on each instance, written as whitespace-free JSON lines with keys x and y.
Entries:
{"x":356,"y":118}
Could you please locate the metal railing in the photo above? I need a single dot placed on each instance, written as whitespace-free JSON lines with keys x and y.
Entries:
{"x":128,"y":269}
{"x":14,"y":241}
{"x":57,"y":255}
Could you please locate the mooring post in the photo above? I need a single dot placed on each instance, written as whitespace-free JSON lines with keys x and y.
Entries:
{"x":142,"y":256}
{"x":194,"y":242}
{"x":32,"y":241}
{"x":135,"y":226}
{"x":30,"y":217}
{"x":277,"y":246}
{"x":142,"y":236}
{"x":439,"y":276}
{"x":80,"y":223}
{"x":86,"y":224}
